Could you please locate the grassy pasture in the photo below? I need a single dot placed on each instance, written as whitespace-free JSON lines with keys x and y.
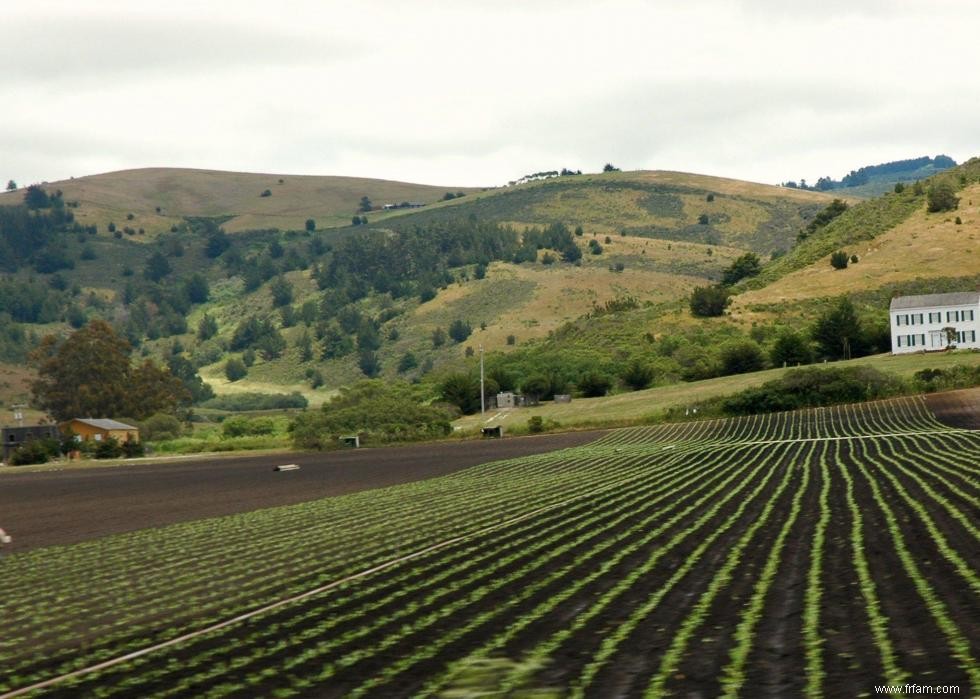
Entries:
{"x":647,"y":405}
{"x":180,"y":192}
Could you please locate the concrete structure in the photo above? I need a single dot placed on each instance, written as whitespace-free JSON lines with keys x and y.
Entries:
{"x":563,"y":398}
{"x":14,"y":437}
{"x":495,"y":432}
{"x":935,"y":322}
{"x":506,"y":399}
{"x":99,"y":429}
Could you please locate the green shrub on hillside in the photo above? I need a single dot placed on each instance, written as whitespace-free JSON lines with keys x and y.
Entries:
{"x":708,"y":301}
{"x":240,"y":402}
{"x":941,"y":196}
{"x":378,"y":411}
{"x":813,"y":387}
{"x":839,"y":260}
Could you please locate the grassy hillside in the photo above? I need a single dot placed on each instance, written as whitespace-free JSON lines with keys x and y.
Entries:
{"x":653,"y":204}
{"x":923,"y":246}
{"x":640,"y":237}
{"x":159,"y":198}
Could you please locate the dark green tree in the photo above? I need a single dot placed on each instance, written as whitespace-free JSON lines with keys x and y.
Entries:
{"x":197,"y":288}
{"x":839,"y":260}
{"x":438,"y":337}
{"x":637,"y":375}
{"x":36,"y":198}
{"x":207,"y":328}
{"x":369,"y":363}
{"x":365,"y":204}
{"x":157,"y":267}
{"x":459,"y":330}
{"x":790,"y":349}
{"x":282,"y":292}
{"x":407,"y":363}
{"x":838,"y":332}
{"x":594,"y":384}
{"x":310,"y":225}
{"x":89,"y":375}
{"x":741,"y":357}
{"x":11,"y":185}
{"x":748,"y":265}
{"x":235,"y":369}
{"x":942,"y":197}
{"x":708,"y":301}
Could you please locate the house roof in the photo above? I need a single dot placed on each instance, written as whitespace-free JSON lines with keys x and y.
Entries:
{"x":105,"y":423}
{"x":959,"y":298}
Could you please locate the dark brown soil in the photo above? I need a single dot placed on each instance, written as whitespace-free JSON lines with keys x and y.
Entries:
{"x":46,"y":508}
{"x":957,"y":408}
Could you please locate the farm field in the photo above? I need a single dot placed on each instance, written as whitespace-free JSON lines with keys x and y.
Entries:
{"x":814,"y":553}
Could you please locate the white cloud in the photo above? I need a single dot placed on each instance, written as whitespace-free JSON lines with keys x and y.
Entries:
{"x":472,"y":93}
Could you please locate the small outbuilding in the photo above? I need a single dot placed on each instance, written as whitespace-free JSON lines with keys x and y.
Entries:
{"x":100,"y":429}
{"x":14,"y":437}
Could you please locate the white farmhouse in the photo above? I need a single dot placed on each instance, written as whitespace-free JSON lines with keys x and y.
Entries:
{"x":935,"y":321}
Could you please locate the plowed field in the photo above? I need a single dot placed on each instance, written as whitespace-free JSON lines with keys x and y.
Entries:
{"x":815,"y":553}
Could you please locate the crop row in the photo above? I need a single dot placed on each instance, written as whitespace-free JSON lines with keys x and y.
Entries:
{"x":678,"y":540}
{"x":903,"y":414}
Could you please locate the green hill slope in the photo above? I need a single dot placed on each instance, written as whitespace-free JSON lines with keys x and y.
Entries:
{"x":595,"y":268}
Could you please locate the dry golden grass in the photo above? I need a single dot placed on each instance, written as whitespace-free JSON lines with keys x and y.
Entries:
{"x":924,"y":246}
{"x":563,"y":292}
{"x":180,"y":192}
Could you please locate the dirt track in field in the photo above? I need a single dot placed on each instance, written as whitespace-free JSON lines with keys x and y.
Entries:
{"x":48,"y":508}
{"x":957,"y":408}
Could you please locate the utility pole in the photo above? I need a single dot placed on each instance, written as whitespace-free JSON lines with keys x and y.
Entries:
{"x":483,"y":401}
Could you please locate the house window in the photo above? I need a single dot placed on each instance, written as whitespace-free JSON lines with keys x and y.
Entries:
{"x":968,"y":315}
{"x":935,"y":317}
{"x":898,"y":320}
{"x":899,"y":338}
{"x":97,"y":437}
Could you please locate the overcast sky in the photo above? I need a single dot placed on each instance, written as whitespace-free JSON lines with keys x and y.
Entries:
{"x":474,"y":92}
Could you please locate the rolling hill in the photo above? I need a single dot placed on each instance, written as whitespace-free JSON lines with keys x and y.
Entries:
{"x":159,"y":198}
{"x":647,"y":238}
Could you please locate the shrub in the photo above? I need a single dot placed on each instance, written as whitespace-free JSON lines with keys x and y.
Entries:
{"x":839,"y":260}
{"x":379,"y":411}
{"x":813,"y":387}
{"x":235,"y":369}
{"x":941,"y":197}
{"x":161,"y":426}
{"x":266,"y":193}
{"x":637,"y":375}
{"x":459,"y":330}
{"x":594,"y":384}
{"x":790,"y":349}
{"x":108,"y":448}
{"x":535,"y":425}
{"x":257,"y":401}
{"x":35,"y":451}
{"x":741,"y":357}
{"x":703,"y":219}
{"x":511,"y":339}
{"x":708,"y":301}
{"x":239,"y":426}
{"x":748,"y":265}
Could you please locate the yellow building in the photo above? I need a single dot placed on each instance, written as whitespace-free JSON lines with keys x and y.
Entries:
{"x":98,"y":429}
